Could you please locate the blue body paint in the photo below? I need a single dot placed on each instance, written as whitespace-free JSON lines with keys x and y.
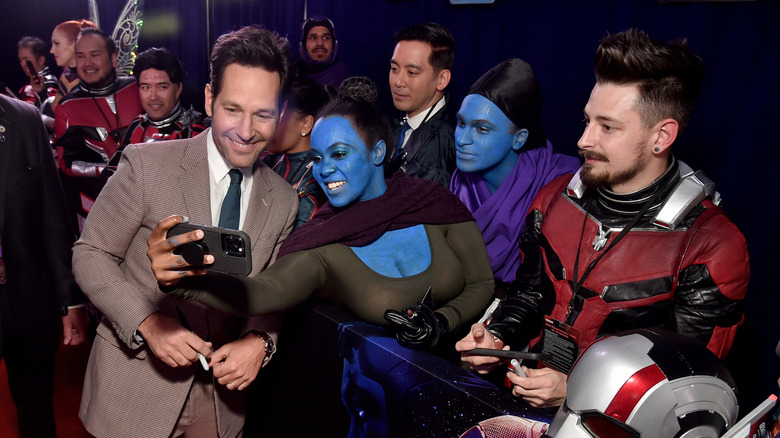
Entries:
{"x":486,"y":141}
{"x":349,"y":172}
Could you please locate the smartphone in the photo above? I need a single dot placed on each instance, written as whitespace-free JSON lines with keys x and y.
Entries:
{"x":522,"y":355}
{"x":230,"y":248}
{"x":517,"y":368}
{"x":33,"y":71}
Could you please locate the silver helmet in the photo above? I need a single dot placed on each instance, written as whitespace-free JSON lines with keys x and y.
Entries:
{"x":648,"y":383}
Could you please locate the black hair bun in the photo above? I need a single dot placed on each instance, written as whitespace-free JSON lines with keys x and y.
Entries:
{"x":360,"y":89}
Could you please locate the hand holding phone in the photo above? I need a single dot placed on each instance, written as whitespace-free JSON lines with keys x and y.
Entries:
{"x":230,"y":248}
{"x":517,"y":368}
{"x":35,"y":78}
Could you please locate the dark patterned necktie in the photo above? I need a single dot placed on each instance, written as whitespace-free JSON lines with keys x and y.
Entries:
{"x":405,"y":127}
{"x":230,"y":213}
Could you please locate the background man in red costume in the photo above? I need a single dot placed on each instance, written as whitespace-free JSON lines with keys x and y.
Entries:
{"x":42,"y":86}
{"x":91,"y":120}
{"x":160,"y":76}
{"x":634,"y":239}
{"x":42,"y":83}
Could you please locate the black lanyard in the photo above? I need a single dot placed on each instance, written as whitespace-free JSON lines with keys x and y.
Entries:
{"x":578,"y":284}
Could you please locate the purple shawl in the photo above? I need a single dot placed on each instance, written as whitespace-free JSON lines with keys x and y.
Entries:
{"x":501,"y":215}
{"x":407,"y":202}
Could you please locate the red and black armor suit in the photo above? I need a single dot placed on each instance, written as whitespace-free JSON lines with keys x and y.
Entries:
{"x":29,"y":95}
{"x":180,"y":123}
{"x":89,"y":126}
{"x":44,"y":99}
{"x":683,"y":266}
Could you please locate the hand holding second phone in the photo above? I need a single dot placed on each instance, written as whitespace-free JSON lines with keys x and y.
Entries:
{"x":168,"y":267}
{"x":543,"y":388}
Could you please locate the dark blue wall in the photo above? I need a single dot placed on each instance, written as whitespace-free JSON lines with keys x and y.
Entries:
{"x":732,"y":136}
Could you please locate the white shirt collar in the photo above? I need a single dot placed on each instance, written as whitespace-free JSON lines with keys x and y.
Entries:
{"x":219,"y":180}
{"x":416,"y":121}
{"x":218,"y":166}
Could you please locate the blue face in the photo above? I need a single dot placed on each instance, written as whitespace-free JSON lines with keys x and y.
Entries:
{"x":485,"y":138}
{"x":343,"y":166}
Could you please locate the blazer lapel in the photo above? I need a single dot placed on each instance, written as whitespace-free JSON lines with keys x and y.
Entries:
{"x":259,"y":205}
{"x":194,"y":180}
{"x":195,"y":188}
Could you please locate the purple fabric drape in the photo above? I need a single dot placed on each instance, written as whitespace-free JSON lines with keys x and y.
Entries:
{"x":501,"y":215}
{"x":407,"y":202}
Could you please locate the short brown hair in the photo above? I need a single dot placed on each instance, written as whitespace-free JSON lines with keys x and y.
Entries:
{"x":250,"y":46}
{"x":668,"y":75}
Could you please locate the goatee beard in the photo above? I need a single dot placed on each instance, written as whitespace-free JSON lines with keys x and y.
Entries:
{"x":588,"y":176}
{"x":593,"y":179}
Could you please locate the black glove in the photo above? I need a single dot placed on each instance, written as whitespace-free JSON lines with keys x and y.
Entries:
{"x":418,"y":327}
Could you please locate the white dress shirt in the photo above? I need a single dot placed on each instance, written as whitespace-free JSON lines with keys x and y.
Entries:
{"x":422,"y":116}
{"x":219,"y":181}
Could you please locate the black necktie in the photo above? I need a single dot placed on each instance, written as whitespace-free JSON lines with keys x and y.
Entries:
{"x":230,"y":213}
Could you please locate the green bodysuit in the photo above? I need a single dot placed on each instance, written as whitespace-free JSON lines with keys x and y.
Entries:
{"x":459,"y":275}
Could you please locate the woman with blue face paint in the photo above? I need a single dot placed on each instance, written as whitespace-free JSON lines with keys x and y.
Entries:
{"x":504,"y":158}
{"x":379,"y":247}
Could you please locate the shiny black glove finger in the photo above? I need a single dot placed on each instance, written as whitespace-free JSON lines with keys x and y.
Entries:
{"x":417,"y":327}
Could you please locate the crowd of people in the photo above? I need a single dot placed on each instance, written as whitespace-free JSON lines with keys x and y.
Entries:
{"x":416,"y":227}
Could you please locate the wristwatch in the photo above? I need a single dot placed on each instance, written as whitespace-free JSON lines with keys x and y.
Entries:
{"x":270,"y":346}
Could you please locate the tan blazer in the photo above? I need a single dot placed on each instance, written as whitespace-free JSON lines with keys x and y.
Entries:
{"x":128,"y":391}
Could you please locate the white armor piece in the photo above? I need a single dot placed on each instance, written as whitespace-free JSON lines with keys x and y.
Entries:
{"x":649,"y":383}
{"x":692,"y":188}
{"x":89,"y":170}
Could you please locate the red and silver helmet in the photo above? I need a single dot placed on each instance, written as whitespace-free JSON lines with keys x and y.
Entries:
{"x":648,"y":383}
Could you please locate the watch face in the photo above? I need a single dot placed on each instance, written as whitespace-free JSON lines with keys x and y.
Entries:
{"x":270,"y":347}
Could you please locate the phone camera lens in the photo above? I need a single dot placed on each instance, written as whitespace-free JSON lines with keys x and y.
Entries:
{"x":233,"y":245}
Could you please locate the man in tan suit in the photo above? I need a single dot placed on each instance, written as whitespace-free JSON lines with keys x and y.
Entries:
{"x":144,"y":377}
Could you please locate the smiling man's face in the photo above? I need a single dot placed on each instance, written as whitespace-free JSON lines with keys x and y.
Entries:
{"x":244,"y":113}
{"x":158,"y":94}
{"x":93,"y":63}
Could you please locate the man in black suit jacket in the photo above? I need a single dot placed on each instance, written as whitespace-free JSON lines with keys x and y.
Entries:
{"x":37,"y":289}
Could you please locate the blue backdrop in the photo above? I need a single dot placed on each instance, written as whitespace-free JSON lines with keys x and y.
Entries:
{"x":731,"y":136}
